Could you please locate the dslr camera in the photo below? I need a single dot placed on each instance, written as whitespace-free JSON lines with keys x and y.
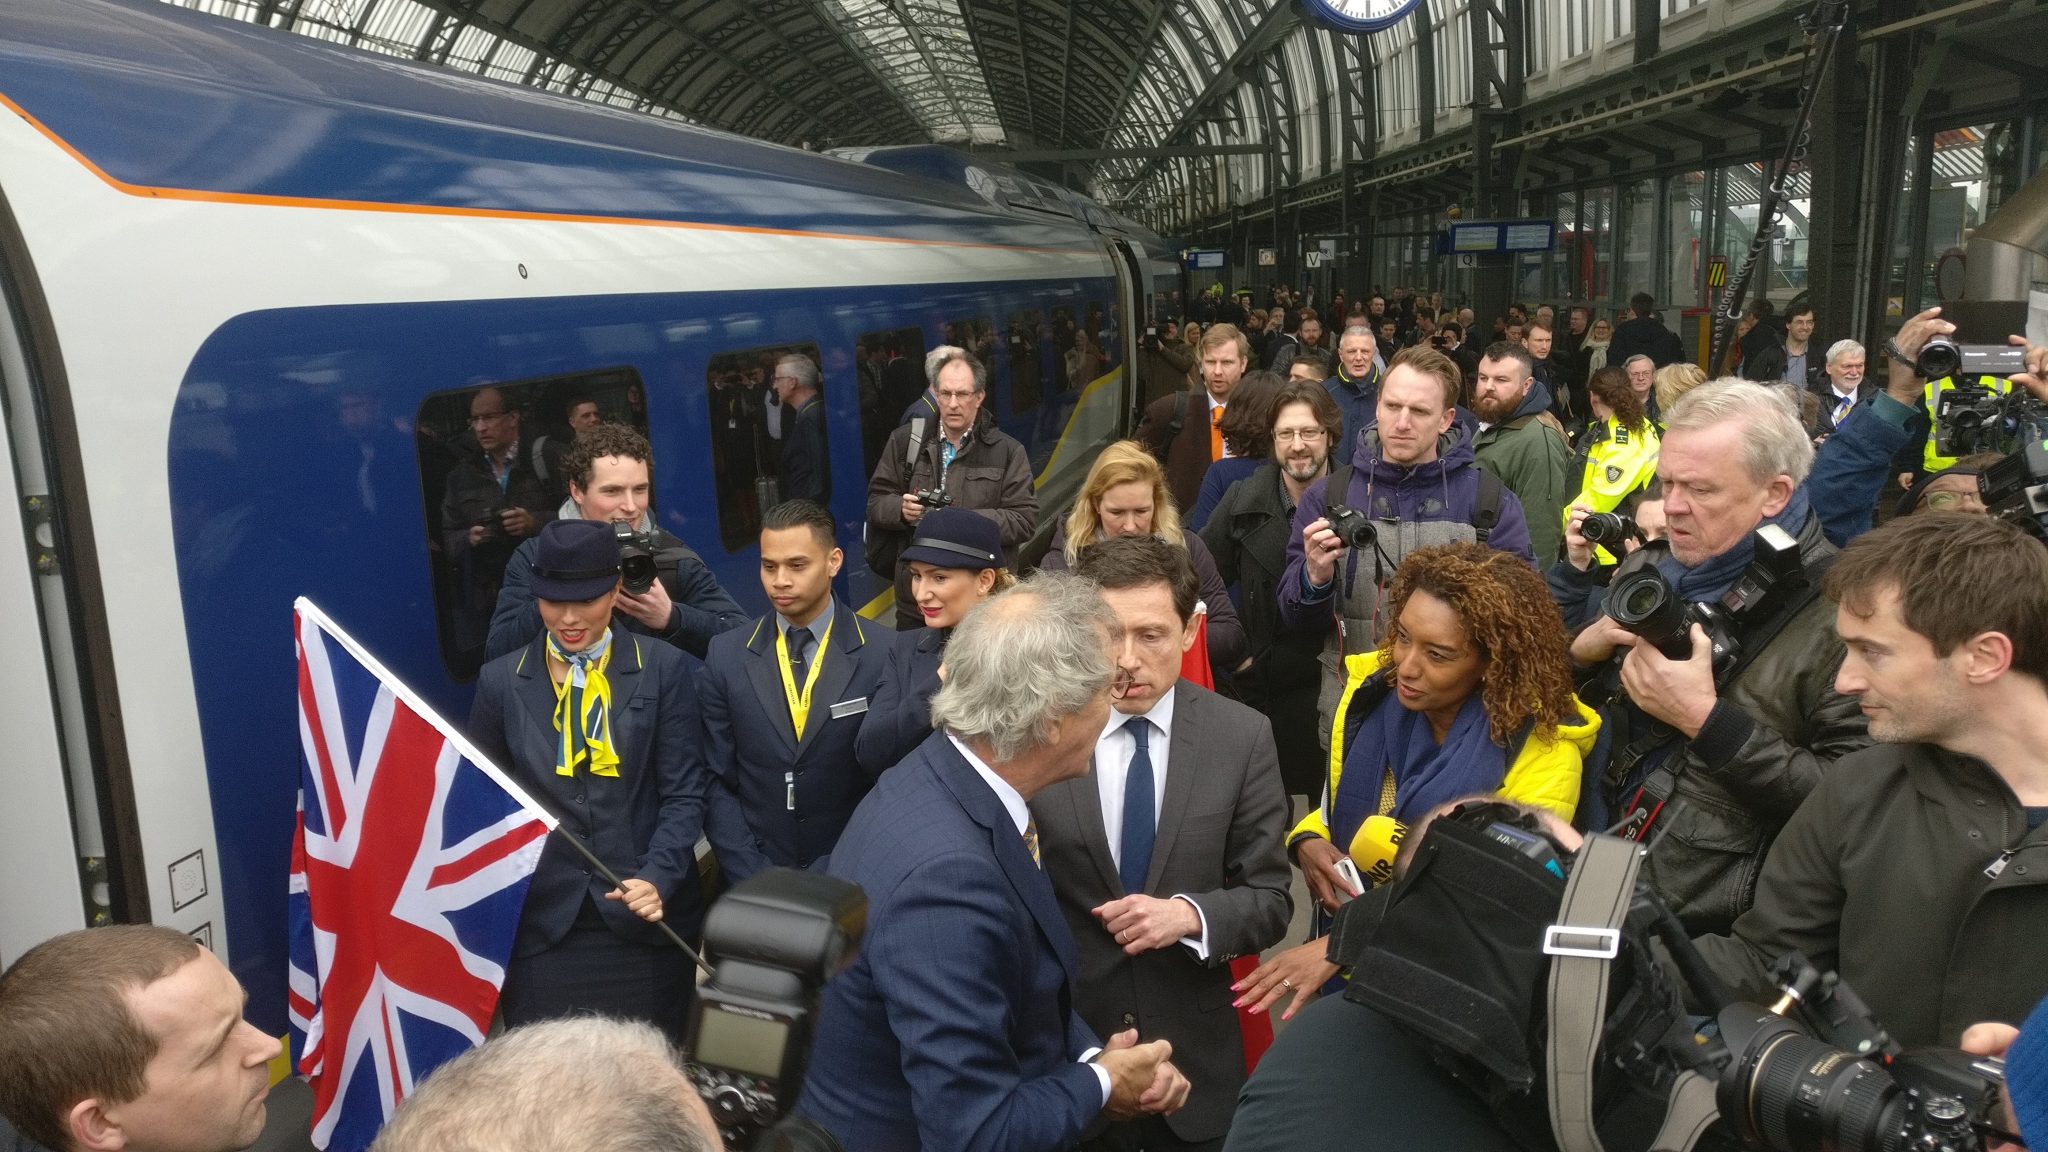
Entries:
{"x":1352,"y":526}
{"x":636,"y":558}
{"x":933,"y":497}
{"x":772,"y":943}
{"x":1644,"y":603}
{"x":1609,"y":530}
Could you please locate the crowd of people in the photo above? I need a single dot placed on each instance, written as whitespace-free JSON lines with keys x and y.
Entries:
{"x":1395,"y":567}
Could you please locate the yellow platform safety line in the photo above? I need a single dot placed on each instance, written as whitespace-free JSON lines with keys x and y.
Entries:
{"x":886,"y":602}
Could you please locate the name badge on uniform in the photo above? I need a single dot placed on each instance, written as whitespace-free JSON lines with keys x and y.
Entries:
{"x":853,"y":707}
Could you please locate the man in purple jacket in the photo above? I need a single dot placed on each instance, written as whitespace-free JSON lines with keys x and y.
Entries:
{"x":1412,"y":476}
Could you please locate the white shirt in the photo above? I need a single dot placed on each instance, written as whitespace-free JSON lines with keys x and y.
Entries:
{"x":1020,"y":814}
{"x":1114,"y":750}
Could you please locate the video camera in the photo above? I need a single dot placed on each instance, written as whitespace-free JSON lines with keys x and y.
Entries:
{"x":1463,"y":951}
{"x":773,"y":941}
{"x":636,"y":558}
{"x":2016,"y":488}
{"x":1644,"y":602}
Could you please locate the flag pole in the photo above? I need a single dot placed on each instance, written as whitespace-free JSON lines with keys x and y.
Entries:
{"x":469,"y":752}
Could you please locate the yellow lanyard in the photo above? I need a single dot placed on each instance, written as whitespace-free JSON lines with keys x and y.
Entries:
{"x":800,"y":704}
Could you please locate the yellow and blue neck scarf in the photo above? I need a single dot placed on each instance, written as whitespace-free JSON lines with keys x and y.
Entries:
{"x":583,"y":710}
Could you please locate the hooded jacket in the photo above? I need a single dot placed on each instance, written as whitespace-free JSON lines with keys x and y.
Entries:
{"x":1412,"y":506}
{"x":1528,"y":452}
{"x":1541,"y":773}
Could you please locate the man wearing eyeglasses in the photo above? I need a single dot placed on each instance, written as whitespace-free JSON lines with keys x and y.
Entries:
{"x":494,"y":500}
{"x":1247,"y":534}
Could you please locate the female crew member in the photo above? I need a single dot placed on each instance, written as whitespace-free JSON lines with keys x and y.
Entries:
{"x":956,"y":562}
{"x":601,"y":725}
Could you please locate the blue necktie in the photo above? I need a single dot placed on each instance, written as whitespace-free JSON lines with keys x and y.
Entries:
{"x":1138,"y":819}
{"x":798,"y":640}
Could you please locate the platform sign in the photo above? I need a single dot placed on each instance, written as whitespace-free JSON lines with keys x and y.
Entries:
{"x":1475,"y":237}
{"x":1313,"y":258}
{"x":1268,"y":258}
{"x":1503,"y":235}
{"x":1206,"y":259}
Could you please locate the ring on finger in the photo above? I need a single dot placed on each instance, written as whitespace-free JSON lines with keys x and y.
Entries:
{"x":1287,"y":984}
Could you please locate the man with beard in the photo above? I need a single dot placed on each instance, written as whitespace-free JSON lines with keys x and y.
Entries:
{"x":1521,"y":442}
{"x":1945,"y":621}
{"x":1247,"y":535}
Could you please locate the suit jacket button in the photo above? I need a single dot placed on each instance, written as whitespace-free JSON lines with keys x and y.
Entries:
{"x":1130,"y":1018}
{"x":579,"y":796}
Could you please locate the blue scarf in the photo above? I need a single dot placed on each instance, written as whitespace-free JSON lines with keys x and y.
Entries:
{"x":1425,"y":773}
{"x":1712,"y":577}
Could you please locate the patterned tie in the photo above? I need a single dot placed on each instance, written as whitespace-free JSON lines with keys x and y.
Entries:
{"x":799,"y":639}
{"x":1031,"y":840}
{"x":1216,"y":433}
{"x":1138,"y":830}
{"x":1842,"y":410}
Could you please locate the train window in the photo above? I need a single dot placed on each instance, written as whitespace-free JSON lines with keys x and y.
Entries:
{"x":977,"y":336}
{"x":1064,"y":329}
{"x":891,"y":380}
{"x":1027,"y":362}
{"x":1085,"y":356}
{"x":491,"y":460}
{"x":767,"y":435}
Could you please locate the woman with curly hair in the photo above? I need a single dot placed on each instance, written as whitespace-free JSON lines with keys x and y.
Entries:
{"x":1471,"y":692}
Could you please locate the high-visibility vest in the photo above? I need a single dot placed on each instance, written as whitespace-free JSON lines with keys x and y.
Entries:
{"x":1619,"y":463}
{"x":1930,"y":460}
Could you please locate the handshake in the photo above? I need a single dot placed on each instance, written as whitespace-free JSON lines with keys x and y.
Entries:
{"x":1142,"y":1078}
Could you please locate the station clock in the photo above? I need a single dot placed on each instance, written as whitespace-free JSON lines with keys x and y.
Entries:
{"x":1360,"y":15}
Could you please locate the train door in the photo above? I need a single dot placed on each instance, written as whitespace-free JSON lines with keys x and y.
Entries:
{"x":53,"y":856}
{"x":1134,"y":294}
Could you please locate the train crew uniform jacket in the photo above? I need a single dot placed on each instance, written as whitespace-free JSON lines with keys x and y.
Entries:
{"x":777,"y":799}
{"x":644,"y":822}
{"x":1880,"y":875}
{"x":990,"y":475}
{"x":954,"y":1028}
{"x":1218,"y":842}
{"x":702,"y":608}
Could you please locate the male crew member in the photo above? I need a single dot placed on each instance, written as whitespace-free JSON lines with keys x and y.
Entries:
{"x":1356,"y":386}
{"x":1521,"y":441}
{"x":1184,"y":430}
{"x":128,"y":1037}
{"x":955,"y":1027}
{"x":608,"y":473}
{"x":1247,"y":534}
{"x":1167,"y":856}
{"x":783,"y":702}
{"x":1412,"y":475}
{"x":806,"y":464}
{"x":979,"y":466}
{"x":1737,"y":753}
{"x":1918,"y":868}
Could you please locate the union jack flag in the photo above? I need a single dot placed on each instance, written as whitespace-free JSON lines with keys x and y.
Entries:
{"x":409,"y":867}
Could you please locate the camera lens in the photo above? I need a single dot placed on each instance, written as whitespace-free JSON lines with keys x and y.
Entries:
{"x":1792,"y":1092}
{"x":1606,"y":528}
{"x":1644,"y":603}
{"x":1938,"y":358}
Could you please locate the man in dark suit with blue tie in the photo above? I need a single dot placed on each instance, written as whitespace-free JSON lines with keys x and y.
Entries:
{"x":600,"y":724}
{"x":954,"y":1029}
{"x":1168,"y":856}
{"x":783,"y":702}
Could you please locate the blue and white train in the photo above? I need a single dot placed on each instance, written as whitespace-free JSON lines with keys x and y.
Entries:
{"x":246,"y":282}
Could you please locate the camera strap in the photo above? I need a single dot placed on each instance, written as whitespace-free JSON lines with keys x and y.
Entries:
{"x":1582,"y":946}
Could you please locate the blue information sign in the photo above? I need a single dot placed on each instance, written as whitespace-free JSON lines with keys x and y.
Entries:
{"x":1203,"y":259}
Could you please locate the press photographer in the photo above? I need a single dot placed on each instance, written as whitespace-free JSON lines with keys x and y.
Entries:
{"x":1712,"y":756}
{"x":668,"y":593}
